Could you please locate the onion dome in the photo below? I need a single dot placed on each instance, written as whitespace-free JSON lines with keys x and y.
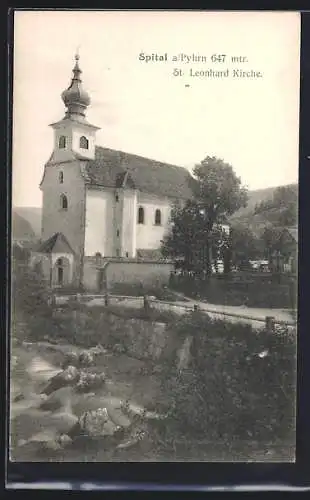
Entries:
{"x":76,"y":99}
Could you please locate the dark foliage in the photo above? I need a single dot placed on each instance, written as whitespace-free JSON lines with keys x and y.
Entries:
{"x":194,"y":237}
{"x":240,"y":384}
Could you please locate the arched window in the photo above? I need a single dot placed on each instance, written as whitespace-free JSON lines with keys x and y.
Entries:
{"x":83,"y":142}
{"x":61,"y":177}
{"x":158,"y":217}
{"x":63,"y":202}
{"x":141,"y":215}
{"x":62,"y":142}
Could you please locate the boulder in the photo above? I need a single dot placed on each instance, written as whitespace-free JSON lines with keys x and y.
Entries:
{"x":86,"y":358}
{"x":118,"y":417}
{"x":69,"y":376}
{"x":137,"y":436}
{"x":90,"y":381}
{"x":98,"y":349}
{"x":97,"y":423}
{"x":57,"y":399}
{"x":71,"y":359}
{"x":119,"y":349}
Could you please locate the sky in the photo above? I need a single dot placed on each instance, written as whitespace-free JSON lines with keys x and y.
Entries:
{"x":142,"y":108}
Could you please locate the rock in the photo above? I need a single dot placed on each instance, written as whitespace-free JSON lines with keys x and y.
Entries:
{"x":64,"y":440}
{"x":118,"y":417}
{"x":71,"y":359}
{"x":90,"y":381}
{"x":57,"y":399}
{"x":86,"y":358}
{"x":137,"y":436}
{"x":119,"y":349}
{"x":69,"y":376}
{"x":46,"y":435}
{"x":97,"y":423}
{"x":63,"y":420}
{"x":25,"y":404}
{"x":42,"y":371}
{"x":14,"y":362}
{"x":98,"y":349}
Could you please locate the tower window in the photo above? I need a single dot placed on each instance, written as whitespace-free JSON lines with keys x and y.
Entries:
{"x":62,"y":142}
{"x":83,"y":142}
{"x":61,"y":177}
{"x":116,"y":198}
{"x":117,"y":233}
{"x":63,"y":202}
{"x":158,"y":217}
{"x":141,"y":215}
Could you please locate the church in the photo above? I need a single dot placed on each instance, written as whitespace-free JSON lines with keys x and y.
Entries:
{"x":102,"y":206}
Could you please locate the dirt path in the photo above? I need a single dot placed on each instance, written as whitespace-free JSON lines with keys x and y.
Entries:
{"x":252,"y":312}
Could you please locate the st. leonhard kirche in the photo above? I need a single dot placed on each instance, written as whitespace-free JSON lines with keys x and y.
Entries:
{"x":99,"y":202}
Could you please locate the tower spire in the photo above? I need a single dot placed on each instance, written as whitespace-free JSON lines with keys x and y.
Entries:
{"x":75,"y":98}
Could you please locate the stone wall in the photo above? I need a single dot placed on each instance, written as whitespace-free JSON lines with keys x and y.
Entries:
{"x":130,"y":272}
{"x":134,"y":272}
{"x":139,"y":338}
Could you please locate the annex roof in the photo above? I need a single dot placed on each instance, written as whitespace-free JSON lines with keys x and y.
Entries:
{"x":56,"y":243}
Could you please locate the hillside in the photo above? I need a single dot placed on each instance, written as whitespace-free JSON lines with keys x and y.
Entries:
{"x":270,"y":215}
{"x":21,"y":229}
{"x":26,"y":215}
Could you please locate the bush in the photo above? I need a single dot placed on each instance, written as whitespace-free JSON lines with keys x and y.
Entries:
{"x":254,"y":290}
{"x":240,"y":384}
{"x":30,"y":309}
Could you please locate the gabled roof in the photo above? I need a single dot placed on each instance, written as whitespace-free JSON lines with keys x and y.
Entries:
{"x":146,"y":175}
{"x":56,"y":243}
{"x":124,"y":180}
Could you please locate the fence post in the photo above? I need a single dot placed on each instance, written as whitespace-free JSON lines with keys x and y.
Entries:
{"x":146,"y":303}
{"x":106,"y":299}
{"x":270,"y":323}
{"x":196,"y":308}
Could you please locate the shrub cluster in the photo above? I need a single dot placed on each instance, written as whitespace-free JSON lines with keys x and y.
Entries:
{"x":240,"y":384}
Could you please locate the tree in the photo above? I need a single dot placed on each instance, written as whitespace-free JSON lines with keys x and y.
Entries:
{"x":185,"y":242}
{"x":217,"y":194}
{"x":218,"y":190}
{"x":245,"y":246}
{"x":271,"y":241}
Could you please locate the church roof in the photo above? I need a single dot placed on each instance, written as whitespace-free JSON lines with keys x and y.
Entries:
{"x":109,"y":167}
{"x":56,"y":243}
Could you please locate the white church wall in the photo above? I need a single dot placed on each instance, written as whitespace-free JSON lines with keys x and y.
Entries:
{"x":129,"y":225}
{"x":77,"y":133}
{"x":149,"y":235}
{"x":62,"y":154}
{"x":99,"y":222}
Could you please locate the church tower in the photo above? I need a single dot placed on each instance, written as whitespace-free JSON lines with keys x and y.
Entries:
{"x":74,"y":137}
{"x":63,"y":183}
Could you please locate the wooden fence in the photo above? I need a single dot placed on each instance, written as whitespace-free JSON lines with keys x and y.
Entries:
{"x":269,"y":322}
